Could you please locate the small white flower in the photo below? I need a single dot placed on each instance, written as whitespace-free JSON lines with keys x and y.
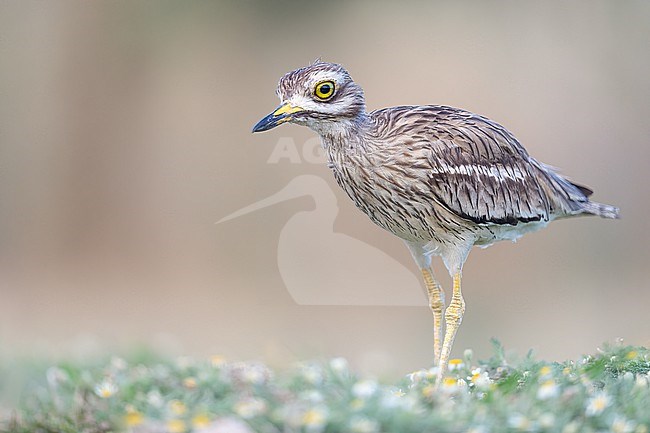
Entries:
{"x":417,"y":376}
{"x":548,"y":389}
{"x":363,"y":425}
{"x":255,"y":374}
{"x":547,"y":420}
{"x":396,"y":398}
{"x":641,"y":382}
{"x":56,"y":376}
{"x":118,"y":363}
{"x":154,"y":398}
{"x":621,"y":425}
{"x":451,"y":385}
{"x":597,"y":404}
{"x":339,"y":365}
{"x":312,"y":396}
{"x":456,"y":364}
{"x":392,"y":398}
{"x":481,"y":380}
{"x":105,"y":389}
{"x":519,"y":422}
{"x":312,"y":374}
{"x":364,"y":389}
{"x":250,"y":407}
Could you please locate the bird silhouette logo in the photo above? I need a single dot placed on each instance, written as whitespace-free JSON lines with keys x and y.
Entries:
{"x":323,"y":270}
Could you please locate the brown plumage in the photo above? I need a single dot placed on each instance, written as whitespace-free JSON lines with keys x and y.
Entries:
{"x":440,"y":178}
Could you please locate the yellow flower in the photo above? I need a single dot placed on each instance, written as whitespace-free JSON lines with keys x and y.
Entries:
{"x":217,"y":360}
{"x":313,"y":418}
{"x":429,"y":390}
{"x":449,"y":385}
{"x":176,"y":426}
{"x":177,"y":407}
{"x":545,"y":371}
{"x":631,"y":354}
{"x":449,"y":382}
{"x":456,"y":364}
{"x":189,"y":383}
{"x":200,"y":421}
{"x":133,"y":417}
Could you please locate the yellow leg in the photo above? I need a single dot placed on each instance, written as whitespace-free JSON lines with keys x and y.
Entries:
{"x":453,"y":317}
{"x":437,"y":304}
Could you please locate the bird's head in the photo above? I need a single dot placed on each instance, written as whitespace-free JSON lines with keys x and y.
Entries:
{"x":321,"y":96}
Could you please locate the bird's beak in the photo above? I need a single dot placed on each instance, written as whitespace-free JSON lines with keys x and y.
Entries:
{"x":280,"y":115}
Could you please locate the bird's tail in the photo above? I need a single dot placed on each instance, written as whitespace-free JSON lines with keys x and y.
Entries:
{"x":601,"y":210}
{"x":578,"y":196}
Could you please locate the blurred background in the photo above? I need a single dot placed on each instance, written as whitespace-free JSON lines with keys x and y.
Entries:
{"x":125,"y":137}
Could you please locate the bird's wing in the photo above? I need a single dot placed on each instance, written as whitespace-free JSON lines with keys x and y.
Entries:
{"x":479,"y":171}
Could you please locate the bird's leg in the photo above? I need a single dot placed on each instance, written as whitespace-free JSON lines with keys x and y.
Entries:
{"x":453,"y":317}
{"x":437,"y":304}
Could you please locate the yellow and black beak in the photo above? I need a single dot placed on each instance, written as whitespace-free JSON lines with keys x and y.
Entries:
{"x":281,"y":115}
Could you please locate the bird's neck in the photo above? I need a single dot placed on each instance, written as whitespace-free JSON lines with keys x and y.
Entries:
{"x":343,"y":135}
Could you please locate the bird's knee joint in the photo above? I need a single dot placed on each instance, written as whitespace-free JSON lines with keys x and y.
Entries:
{"x":455,"y":311}
{"x":453,"y":318}
{"x":436,"y":305}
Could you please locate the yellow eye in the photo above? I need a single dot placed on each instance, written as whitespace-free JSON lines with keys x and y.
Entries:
{"x":324,"y":90}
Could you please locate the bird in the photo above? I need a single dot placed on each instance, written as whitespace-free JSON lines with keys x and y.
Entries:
{"x":440,"y":178}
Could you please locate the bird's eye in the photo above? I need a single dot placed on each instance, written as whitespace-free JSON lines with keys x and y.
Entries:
{"x":324,"y":90}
